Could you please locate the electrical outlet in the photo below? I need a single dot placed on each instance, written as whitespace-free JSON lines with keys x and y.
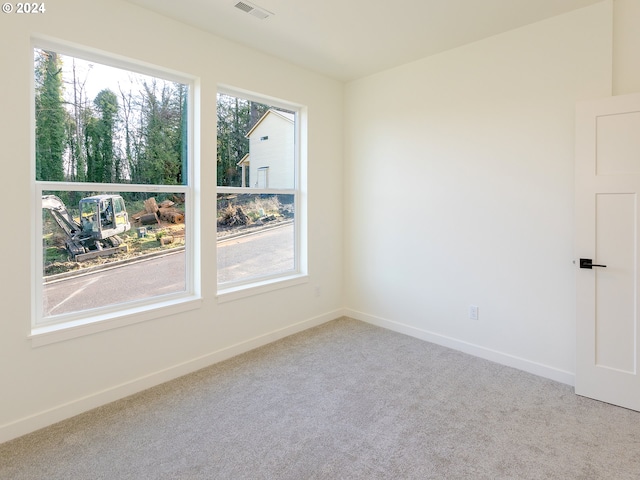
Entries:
{"x":473,"y":312}
{"x":318,"y":290}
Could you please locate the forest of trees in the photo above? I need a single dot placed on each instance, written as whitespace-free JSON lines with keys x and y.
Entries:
{"x":134,"y":133}
{"x":130,"y":132}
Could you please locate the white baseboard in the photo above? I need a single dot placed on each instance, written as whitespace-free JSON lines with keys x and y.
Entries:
{"x":58,"y":413}
{"x":472,"y":349}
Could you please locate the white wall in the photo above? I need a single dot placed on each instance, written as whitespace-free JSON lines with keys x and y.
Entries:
{"x":459,"y":187}
{"x":626,"y":44}
{"x":44,"y":384}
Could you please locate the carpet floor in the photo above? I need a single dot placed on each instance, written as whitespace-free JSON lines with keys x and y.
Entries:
{"x":346,"y":400}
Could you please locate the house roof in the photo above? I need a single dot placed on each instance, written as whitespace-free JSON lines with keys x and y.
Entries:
{"x":244,"y":161}
{"x":290,"y":117}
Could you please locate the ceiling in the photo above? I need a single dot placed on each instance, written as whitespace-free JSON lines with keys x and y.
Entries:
{"x":348,"y":39}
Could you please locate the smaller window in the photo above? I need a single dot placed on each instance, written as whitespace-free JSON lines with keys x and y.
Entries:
{"x":259,"y":214}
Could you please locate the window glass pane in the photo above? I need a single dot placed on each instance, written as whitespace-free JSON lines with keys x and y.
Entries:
{"x":109,"y":248}
{"x":256,"y":144}
{"x":256,"y":236}
{"x":100,"y":124}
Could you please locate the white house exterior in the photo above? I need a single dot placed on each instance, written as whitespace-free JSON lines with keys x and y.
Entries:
{"x":271,"y":151}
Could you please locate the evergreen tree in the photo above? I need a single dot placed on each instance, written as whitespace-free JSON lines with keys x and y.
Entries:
{"x":106,"y":104}
{"x":50,"y":117}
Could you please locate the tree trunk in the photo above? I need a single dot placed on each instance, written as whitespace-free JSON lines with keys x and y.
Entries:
{"x":148,"y":219}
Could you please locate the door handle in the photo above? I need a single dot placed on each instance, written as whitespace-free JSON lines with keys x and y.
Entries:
{"x":588,"y":263}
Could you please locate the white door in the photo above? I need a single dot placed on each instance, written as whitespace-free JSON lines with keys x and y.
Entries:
{"x":607,"y":217}
{"x":263,"y":177}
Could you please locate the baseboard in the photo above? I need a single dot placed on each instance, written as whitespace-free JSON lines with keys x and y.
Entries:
{"x":472,"y":349}
{"x":58,"y":413}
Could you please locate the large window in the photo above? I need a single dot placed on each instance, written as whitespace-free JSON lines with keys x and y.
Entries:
{"x":259,"y":208}
{"x":113,"y":188}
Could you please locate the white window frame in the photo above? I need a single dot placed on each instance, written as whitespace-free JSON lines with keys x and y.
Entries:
{"x":233,"y":290}
{"x":43,"y":330}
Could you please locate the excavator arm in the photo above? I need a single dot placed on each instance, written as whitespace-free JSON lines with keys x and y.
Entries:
{"x":63,"y":218}
{"x":61,"y":215}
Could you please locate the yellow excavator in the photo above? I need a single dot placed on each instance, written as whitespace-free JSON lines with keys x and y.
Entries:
{"x":102,"y":219}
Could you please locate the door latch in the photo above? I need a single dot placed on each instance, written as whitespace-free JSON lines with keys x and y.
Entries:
{"x":588,"y":263}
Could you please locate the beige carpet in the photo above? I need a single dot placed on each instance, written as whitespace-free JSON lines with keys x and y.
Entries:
{"x":345,"y":400}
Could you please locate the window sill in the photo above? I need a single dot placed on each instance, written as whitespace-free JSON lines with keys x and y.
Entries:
{"x":256,"y":288}
{"x":59,"y":332}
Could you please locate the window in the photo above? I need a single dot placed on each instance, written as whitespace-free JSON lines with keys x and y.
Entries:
{"x":113,"y":188}
{"x":259,"y":210}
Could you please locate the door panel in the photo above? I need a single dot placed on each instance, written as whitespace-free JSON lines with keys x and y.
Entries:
{"x":618,"y":144}
{"x":615,"y":302}
{"x":607,"y":173}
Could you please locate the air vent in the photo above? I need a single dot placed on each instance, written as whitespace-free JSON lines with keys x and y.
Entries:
{"x":254,"y":10}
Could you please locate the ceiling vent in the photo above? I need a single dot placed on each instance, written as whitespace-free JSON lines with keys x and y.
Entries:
{"x":254,"y":10}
